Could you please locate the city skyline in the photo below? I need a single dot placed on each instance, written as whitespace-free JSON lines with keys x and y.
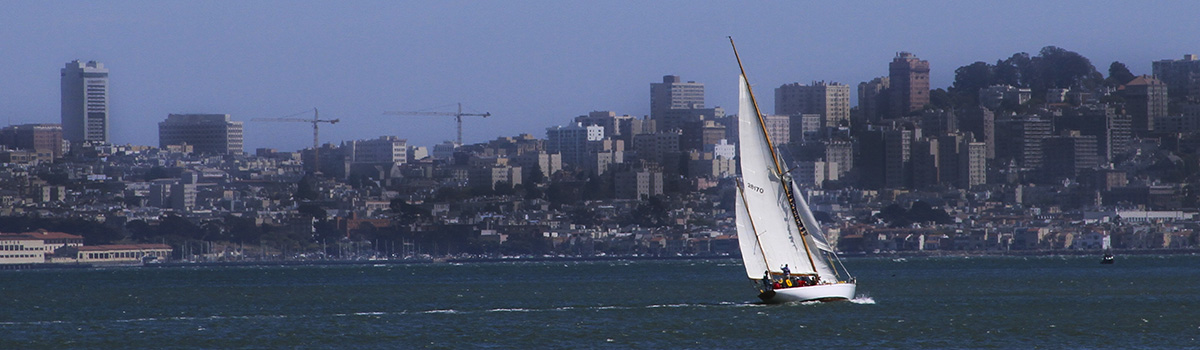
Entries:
{"x":532,"y":65}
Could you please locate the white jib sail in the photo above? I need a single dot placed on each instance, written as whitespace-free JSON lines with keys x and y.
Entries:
{"x":763,"y":190}
{"x":816,"y":237}
{"x":752,"y":256}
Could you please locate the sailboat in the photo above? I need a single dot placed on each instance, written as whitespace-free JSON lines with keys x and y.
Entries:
{"x":783,"y":248}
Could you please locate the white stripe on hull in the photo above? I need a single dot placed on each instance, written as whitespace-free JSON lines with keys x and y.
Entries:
{"x":823,"y":292}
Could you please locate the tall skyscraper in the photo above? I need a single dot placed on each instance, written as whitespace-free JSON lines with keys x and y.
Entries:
{"x":208,"y":133}
{"x":909,"y":78}
{"x":85,"y":102}
{"x":830,"y":100}
{"x":673,"y":93}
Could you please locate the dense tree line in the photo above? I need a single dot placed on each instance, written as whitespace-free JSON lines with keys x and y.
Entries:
{"x":1052,"y":68}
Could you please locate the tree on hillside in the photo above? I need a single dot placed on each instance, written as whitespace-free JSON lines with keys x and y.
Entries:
{"x":1059,"y":68}
{"x":1013,"y":71}
{"x":969,"y":79}
{"x":1118,"y":74}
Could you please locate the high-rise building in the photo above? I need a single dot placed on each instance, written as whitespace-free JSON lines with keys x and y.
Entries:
{"x":778,"y":128}
{"x":385,"y":149}
{"x":676,"y":119}
{"x":804,"y":127}
{"x":44,"y":139}
{"x":926,"y":159}
{"x":1020,"y":138}
{"x":1145,"y":100}
{"x":1113,"y":131}
{"x":869,"y":159}
{"x":1179,"y":75}
{"x":571,"y":141}
{"x":85,"y":116}
{"x":1067,"y":155}
{"x":830,"y":100}
{"x":208,"y":133}
{"x":938,"y":121}
{"x":673,"y":93}
{"x":872,"y":98}
{"x":896,"y":152}
{"x":909,"y":78}
{"x":972,"y":162}
{"x":950,"y":147}
{"x":981,"y":122}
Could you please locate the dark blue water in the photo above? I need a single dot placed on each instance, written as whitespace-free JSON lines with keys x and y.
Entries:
{"x":914,"y":303}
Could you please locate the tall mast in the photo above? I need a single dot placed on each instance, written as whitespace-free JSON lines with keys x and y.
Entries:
{"x":779,"y":171}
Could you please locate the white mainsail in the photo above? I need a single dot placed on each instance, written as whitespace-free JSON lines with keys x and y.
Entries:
{"x":767,"y":211}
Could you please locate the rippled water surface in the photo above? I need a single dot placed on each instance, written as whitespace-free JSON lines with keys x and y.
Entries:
{"x":913,"y":303}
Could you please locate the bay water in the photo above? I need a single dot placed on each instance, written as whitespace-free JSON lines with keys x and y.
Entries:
{"x":1051,"y":302}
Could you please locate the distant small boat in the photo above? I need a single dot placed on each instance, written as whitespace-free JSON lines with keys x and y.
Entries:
{"x":1106,"y":244}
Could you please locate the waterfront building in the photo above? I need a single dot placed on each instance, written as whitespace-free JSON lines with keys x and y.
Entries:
{"x":122,"y":253}
{"x":85,"y":102}
{"x":21,"y":249}
{"x":206,"y":133}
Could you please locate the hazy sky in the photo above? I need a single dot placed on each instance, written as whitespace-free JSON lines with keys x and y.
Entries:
{"x":532,"y":64}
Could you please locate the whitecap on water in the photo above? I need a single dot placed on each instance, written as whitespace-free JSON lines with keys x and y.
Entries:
{"x":864,"y":300}
{"x":510,"y":310}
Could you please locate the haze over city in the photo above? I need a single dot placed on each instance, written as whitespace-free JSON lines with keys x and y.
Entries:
{"x":531,"y":64}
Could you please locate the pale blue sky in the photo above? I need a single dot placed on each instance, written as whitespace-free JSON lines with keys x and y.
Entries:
{"x":532,"y":64}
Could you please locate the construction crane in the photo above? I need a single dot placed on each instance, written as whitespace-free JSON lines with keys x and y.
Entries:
{"x":315,"y":121}
{"x":457,"y":117}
